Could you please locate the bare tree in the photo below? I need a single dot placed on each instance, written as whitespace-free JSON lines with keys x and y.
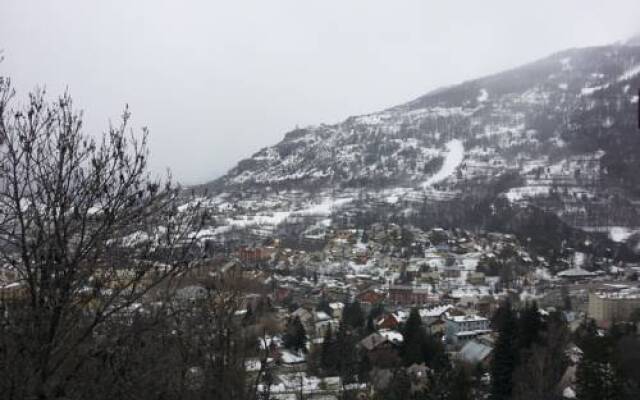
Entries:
{"x":88,"y":235}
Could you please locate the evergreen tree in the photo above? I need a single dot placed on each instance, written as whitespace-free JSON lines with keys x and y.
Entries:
{"x":413,"y":345}
{"x":505,"y":355}
{"x":346,"y":357}
{"x":364,"y":367}
{"x":323,"y":305}
{"x":596,"y":377}
{"x":371,"y":326}
{"x":399,"y":387}
{"x":566,"y":298}
{"x":295,"y":337}
{"x":376,"y":310}
{"x":460,"y":384}
{"x":248,"y":318}
{"x":539,"y":373}
{"x":434,"y":353}
{"x":328,"y":352}
{"x":353,"y":315}
{"x":529,"y":326}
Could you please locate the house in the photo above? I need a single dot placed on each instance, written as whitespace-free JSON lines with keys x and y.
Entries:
{"x":286,"y":386}
{"x":323,"y":322}
{"x":321,"y":327}
{"x":476,"y":278}
{"x":476,"y":351}
{"x":576,"y":274}
{"x":336,"y":309}
{"x":282,"y":293}
{"x":393,"y":336}
{"x":255,"y":254}
{"x":380,"y":349}
{"x":411,"y":294}
{"x":290,"y":358}
{"x":431,"y":314}
{"x":388,"y":321}
{"x":462,"y":328}
{"x":369,"y":298}
{"x":437,"y":327}
{"x":614,"y":303}
{"x":419,"y":375}
{"x":374,"y":342}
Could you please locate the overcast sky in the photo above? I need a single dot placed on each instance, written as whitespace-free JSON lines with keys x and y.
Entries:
{"x":216,"y":81}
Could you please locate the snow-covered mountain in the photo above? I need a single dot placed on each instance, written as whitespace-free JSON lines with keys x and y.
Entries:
{"x":560,"y":133}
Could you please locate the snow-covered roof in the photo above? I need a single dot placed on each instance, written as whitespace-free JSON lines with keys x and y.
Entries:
{"x":467,"y":318}
{"x":322,"y":316}
{"x":474,"y":352}
{"x":289,"y":357}
{"x":391,"y":335}
{"x":568,"y":393}
{"x":435,"y":311}
{"x":575,"y":272}
{"x":252,"y":365}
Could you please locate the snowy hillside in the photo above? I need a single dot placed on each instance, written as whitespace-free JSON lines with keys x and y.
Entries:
{"x":562,"y":129}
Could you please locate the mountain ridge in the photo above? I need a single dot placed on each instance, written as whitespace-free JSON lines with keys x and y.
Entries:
{"x":563,"y":126}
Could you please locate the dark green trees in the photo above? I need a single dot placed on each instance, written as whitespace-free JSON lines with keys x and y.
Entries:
{"x":295,"y":337}
{"x":418,"y":347}
{"x":353,"y":315}
{"x":414,"y":340}
{"x":596,"y":376}
{"x":505,"y":355}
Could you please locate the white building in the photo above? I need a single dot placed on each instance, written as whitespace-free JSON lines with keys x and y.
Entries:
{"x":462,"y":328}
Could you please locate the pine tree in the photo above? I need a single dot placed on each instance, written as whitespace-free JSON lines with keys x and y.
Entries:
{"x":295,"y":337}
{"x":505,"y":355}
{"x":412,"y":350}
{"x":371,"y":326}
{"x":248,"y":318}
{"x":596,"y":377}
{"x":434,"y":353}
{"x":376,"y":310}
{"x":346,"y":357}
{"x":399,"y":388}
{"x":353,"y":315}
{"x":328,"y":352}
{"x":566,"y":298}
{"x":529,"y":326}
{"x":460,"y":384}
{"x":323,"y":305}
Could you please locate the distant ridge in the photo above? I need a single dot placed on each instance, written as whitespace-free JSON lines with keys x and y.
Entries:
{"x":633,"y":41}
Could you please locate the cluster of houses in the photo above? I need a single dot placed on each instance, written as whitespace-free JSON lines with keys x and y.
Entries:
{"x":454,"y":278}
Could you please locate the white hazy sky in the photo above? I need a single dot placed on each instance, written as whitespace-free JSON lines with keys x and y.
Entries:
{"x":217,"y":80}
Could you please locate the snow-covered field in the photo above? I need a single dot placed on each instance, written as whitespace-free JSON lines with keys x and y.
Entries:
{"x":453,"y":159}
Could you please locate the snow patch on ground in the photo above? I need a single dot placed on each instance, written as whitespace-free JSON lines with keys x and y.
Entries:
{"x":630,"y":73}
{"x":587,"y":91}
{"x":324,"y":208}
{"x":483,"y":96}
{"x":620,"y":234}
{"x":454,"y":157}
